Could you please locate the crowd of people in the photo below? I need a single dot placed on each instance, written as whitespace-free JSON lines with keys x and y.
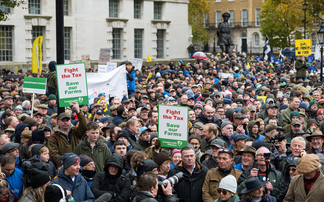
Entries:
{"x":255,"y":133}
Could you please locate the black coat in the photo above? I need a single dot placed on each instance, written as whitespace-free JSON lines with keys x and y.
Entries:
{"x":210,"y":163}
{"x":189,"y":189}
{"x":118,"y":186}
{"x":203,"y":120}
{"x":144,"y":196}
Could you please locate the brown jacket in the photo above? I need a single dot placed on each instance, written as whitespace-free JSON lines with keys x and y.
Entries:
{"x":59,"y":143}
{"x":296,"y":191}
{"x":211,"y":183}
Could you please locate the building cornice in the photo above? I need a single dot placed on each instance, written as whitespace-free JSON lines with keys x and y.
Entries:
{"x":116,"y":19}
{"x":161,"y":21}
{"x":47,"y":17}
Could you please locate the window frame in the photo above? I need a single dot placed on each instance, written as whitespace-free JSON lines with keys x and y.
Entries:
{"x":255,"y":40}
{"x":160,"y":43}
{"x":8,"y":45}
{"x":33,"y":8}
{"x":67,"y":40}
{"x":158,"y":9}
{"x":220,"y":17}
{"x":113,"y":8}
{"x":243,"y":22}
{"x":137,"y":9}
{"x":117,"y":43}
{"x":257,"y":17}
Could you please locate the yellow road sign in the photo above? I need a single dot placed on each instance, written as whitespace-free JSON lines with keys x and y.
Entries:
{"x":148,"y":58}
{"x":303,"y":47}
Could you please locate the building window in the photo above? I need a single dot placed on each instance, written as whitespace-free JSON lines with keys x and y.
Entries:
{"x":231,"y":20}
{"x":34,"y":6}
{"x":5,"y":8}
{"x":66,"y":7}
{"x":160,"y":43}
{"x":137,"y":9}
{"x":218,"y":0}
{"x":116,"y":43}
{"x":138,"y":43}
{"x":257,"y":17}
{"x":36,"y":32}
{"x":218,"y":17}
{"x":157,"y":10}
{"x":113,"y":8}
{"x":5,"y":43}
{"x":244,"y":18}
{"x":256,"y":40}
{"x":314,"y":40}
{"x":206,"y":21}
{"x":67,"y":43}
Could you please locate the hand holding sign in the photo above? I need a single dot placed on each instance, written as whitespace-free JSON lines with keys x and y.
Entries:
{"x":76,"y":107}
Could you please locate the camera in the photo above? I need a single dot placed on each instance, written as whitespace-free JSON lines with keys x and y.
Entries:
{"x":173,"y":180}
{"x":267,"y":156}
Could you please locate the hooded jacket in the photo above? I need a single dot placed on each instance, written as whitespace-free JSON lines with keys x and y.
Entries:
{"x":18,"y":130}
{"x":118,"y":185}
{"x":100,"y":153}
{"x":51,"y":167}
{"x":80,"y":189}
{"x":203,"y":120}
{"x":285,"y":181}
{"x":189,"y":189}
{"x":60,"y":143}
{"x":229,"y":114}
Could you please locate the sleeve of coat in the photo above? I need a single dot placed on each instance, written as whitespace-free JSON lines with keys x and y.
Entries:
{"x":206,"y":197}
{"x":82,"y":128}
{"x":77,"y":150}
{"x":125,"y":191}
{"x":276,"y":187}
{"x":53,"y":150}
{"x":89,"y":195}
{"x":241,"y":181}
{"x":290,"y":196}
{"x":95,"y":187}
{"x":108,"y":153}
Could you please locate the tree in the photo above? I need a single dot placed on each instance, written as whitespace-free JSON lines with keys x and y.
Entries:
{"x":282,"y":21}
{"x":316,"y":9}
{"x":9,"y":3}
{"x":196,"y":12}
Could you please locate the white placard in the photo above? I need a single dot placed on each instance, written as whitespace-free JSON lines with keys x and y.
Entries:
{"x":102,"y":68}
{"x":137,"y":63}
{"x":111,"y":66}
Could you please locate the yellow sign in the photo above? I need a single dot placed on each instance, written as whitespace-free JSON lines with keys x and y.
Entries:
{"x":149,"y":59}
{"x":148,"y":78}
{"x":303,"y":47}
{"x":16,"y":69}
{"x":263,"y":98}
{"x":37,"y":55}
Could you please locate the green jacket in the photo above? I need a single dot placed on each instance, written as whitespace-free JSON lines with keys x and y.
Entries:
{"x":99,"y":153}
{"x":285,"y":116}
{"x":233,"y":198}
{"x":274,"y":177}
{"x":301,"y":68}
{"x":51,"y":79}
{"x":59,"y":143}
{"x":142,"y":145}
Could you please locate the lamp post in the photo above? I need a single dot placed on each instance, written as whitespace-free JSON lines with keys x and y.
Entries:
{"x":214,"y":48}
{"x":305,"y":8}
{"x":320,"y":37}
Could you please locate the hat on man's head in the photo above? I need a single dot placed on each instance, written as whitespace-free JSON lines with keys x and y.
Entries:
{"x":43,"y":106}
{"x":294,"y":113}
{"x":38,"y":136}
{"x":51,"y":97}
{"x":270,"y":127}
{"x":252,"y":183}
{"x":161,"y":157}
{"x":225,"y":123}
{"x":8,"y":146}
{"x":218,"y":143}
{"x":84,"y":160}
{"x":239,"y":116}
{"x":38,"y":178}
{"x":316,"y":133}
{"x":198,"y":125}
{"x":228,"y":183}
{"x":54,"y":194}
{"x":269,"y":100}
{"x":100,"y":111}
{"x":248,"y":149}
{"x":240,"y":137}
{"x":308,"y":163}
{"x":64,"y":115}
{"x":70,"y":159}
{"x":320,"y":112}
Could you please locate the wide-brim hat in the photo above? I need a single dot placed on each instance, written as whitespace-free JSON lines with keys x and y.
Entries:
{"x":252,"y":184}
{"x":316,"y":133}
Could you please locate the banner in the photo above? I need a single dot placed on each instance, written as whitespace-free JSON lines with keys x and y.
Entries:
{"x":264,"y":98}
{"x":317,"y":52}
{"x":86,"y":60}
{"x":173,"y":126}
{"x":34,"y":85}
{"x":303,"y":47}
{"x":224,"y":75}
{"x":311,"y":58}
{"x":137,"y":63}
{"x":102,"y":68}
{"x":72,"y":84}
{"x":104,"y":55}
{"x":272,"y":58}
{"x":258,"y":58}
{"x":37,"y":55}
{"x":111,"y":66}
{"x":112,"y":84}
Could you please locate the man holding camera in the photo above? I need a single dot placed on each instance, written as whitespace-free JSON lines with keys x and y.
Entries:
{"x":260,"y":170}
{"x":148,"y":187}
{"x":189,"y":189}
{"x":270,"y":131}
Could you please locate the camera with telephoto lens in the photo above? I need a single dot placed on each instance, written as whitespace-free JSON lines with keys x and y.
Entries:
{"x":173,"y":180}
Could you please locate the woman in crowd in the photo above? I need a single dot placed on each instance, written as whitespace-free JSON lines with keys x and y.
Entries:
{"x":227,"y":189}
{"x":254,"y":191}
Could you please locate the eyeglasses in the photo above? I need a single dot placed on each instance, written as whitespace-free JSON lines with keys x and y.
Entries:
{"x":224,"y":192}
{"x":224,"y":150}
{"x":261,"y":155}
{"x":292,"y":169}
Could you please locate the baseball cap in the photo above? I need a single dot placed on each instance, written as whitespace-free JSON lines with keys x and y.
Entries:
{"x":64,"y":115}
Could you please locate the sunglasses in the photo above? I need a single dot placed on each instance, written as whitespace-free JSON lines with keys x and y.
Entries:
{"x":224,"y":192}
{"x":292,"y":169}
{"x":224,"y":150}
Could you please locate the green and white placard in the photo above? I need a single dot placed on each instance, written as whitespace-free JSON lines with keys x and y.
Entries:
{"x":34,"y":85}
{"x":72,"y":84}
{"x":173,"y":126}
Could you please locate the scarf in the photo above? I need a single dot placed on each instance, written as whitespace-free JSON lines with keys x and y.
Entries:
{"x":309,"y":183}
{"x":225,"y":172}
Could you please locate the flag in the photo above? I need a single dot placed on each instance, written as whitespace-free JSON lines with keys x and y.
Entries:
{"x":234,"y":49}
{"x":37,"y":55}
{"x":266,"y":50}
{"x":281,"y":56}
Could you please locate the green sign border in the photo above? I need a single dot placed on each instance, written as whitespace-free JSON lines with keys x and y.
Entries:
{"x":169,"y":143}
{"x":75,"y":99}
{"x":33,"y":90}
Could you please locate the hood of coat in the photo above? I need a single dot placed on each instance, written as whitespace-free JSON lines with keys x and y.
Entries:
{"x":117,"y":160}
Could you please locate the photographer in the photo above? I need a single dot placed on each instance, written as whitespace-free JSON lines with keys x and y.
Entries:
{"x":148,"y":189}
{"x":259,"y":169}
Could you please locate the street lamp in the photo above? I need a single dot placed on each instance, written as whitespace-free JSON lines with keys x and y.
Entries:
{"x":320,"y":37}
{"x":214,"y":48}
{"x":305,"y":8}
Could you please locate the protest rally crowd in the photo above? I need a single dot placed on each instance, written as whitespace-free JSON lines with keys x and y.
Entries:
{"x":255,"y":133}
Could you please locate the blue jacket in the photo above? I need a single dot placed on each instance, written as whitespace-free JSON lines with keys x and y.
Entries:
{"x":238,"y":167}
{"x":79,"y":188}
{"x":131,"y":84}
{"x":118,"y":120}
{"x":261,"y":138}
{"x":15,"y":183}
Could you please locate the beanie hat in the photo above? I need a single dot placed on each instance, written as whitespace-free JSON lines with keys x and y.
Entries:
{"x":161,"y":157}
{"x":197,"y":105}
{"x":312,"y":102}
{"x":153,"y":136}
{"x":283,"y":107}
{"x":228,"y":183}
{"x":38,"y":136}
{"x":38,"y":178}
{"x":36,"y":148}
{"x":225,"y":123}
{"x":227,"y":100}
{"x":51,"y":66}
{"x":167,"y":85}
{"x":53,"y":193}
{"x":121,"y":134}
{"x":85,"y":160}
{"x":51,"y":97}
{"x":319,"y":112}
{"x":176,"y":151}
{"x":70,"y":159}
{"x":294,"y":113}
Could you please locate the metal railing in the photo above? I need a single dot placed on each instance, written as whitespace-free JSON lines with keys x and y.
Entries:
{"x":234,"y":25}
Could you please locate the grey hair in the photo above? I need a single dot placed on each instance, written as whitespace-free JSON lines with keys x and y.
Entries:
{"x":256,"y":153}
{"x":25,"y":103}
{"x":36,"y":101}
{"x":296,"y":139}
